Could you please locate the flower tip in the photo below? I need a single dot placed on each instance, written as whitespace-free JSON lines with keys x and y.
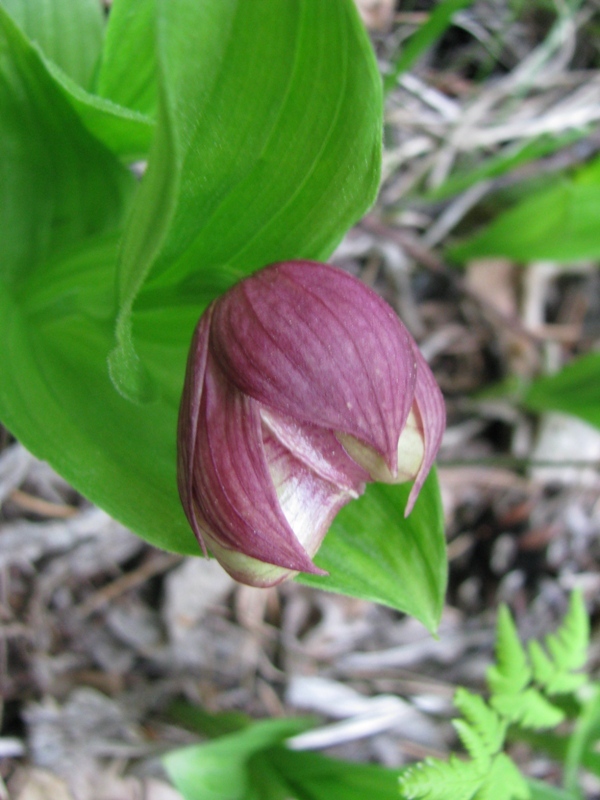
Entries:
{"x":412,"y":499}
{"x":260,"y":574}
{"x":415,"y":491}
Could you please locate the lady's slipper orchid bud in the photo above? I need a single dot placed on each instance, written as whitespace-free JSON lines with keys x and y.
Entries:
{"x":302,"y":385}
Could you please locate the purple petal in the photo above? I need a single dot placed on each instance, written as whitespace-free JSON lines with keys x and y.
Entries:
{"x":319,"y":450}
{"x":233,"y":492}
{"x":188,"y":419}
{"x":309,"y":505}
{"x":430,"y":412}
{"x":317,"y":345}
{"x":308,"y":502}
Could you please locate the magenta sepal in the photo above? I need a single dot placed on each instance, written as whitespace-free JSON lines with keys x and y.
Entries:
{"x":431,"y":413}
{"x":316,"y":345}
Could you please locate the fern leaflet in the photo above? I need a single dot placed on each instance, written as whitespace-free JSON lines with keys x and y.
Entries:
{"x":511,"y":673}
{"x":483,"y":732}
{"x":528,"y":708}
{"x":503,"y":782}
{"x":464,"y":780}
{"x":567,"y":649}
{"x":433,"y":779}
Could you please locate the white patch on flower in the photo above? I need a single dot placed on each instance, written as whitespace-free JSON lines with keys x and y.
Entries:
{"x":308,"y":502}
{"x":294,"y":440}
{"x":411,"y":451}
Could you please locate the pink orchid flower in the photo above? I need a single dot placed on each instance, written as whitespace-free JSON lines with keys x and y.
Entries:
{"x":302,"y":385}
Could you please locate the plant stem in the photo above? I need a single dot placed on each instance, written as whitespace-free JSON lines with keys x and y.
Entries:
{"x":586,"y":722}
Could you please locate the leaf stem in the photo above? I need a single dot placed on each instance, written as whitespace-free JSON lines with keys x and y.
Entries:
{"x":578,"y":741}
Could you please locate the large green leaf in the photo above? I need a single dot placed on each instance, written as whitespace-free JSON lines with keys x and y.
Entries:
{"x":574,"y":390}
{"x":127,"y":73}
{"x":312,"y":776}
{"x":252,"y":765}
{"x":58,"y":185}
{"x":68,"y":32}
{"x":558,"y":223}
{"x":57,"y":398}
{"x":373,"y":552}
{"x":219,"y":770}
{"x":65,"y":30}
{"x":63,"y":198}
{"x":268,"y":147}
{"x":120,"y":455}
{"x":126,"y":132}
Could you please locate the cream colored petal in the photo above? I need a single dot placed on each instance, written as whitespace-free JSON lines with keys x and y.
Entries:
{"x":411,"y":450}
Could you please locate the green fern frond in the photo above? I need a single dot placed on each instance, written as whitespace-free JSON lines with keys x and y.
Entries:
{"x":511,"y":673}
{"x":471,"y":741}
{"x":464,"y":780}
{"x":433,"y":779}
{"x":546,"y":673}
{"x":570,"y":643}
{"x":490,"y":774}
{"x":482,"y":731}
{"x":529,"y":708}
{"x":503,"y":782}
{"x":567,"y":650}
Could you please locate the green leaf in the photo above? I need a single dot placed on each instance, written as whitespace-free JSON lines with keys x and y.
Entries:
{"x":464,"y":780}
{"x":202,"y":721}
{"x":483,"y":732}
{"x":373,"y":552}
{"x":438,"y":21}
{"x":503,"y":782}
{"x":569,"y":645}
{"x":543,"y":667}
{"x":509,"y":678}
{"x":252,"y":765}
{"x":219,"y":770}
{"x":264,"y":782}
{"x":58,"y":185}
{"x":506,"y":160}
{"x":528,"y":708}
{"x":558,"y":223}
{"x":491,"y":774}
{"x":57,"y":398}
{"x":511,"y":673}
{"x":128,"y":134}
{"x":574,"y":390}
{"x":583,"y":740}
{"x":246,"y":167}
{"x":549,"y":675}
{"x":311,"y":776}
{"x":68,"y":32}
{"x":127,"y":74}
{"x":55,"y":392}
{"x":433,"y":779}
{"x":62,"y":200}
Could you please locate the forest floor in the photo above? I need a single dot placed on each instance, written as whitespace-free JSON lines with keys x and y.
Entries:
{"x":100,"y":633}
